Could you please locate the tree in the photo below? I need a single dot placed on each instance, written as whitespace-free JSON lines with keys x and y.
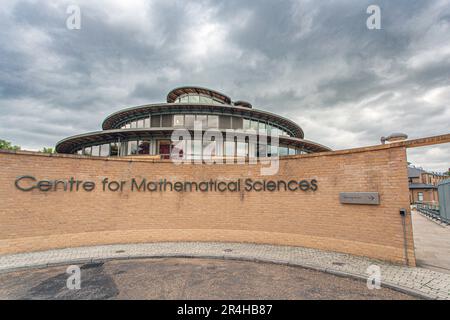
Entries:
{"x":47,"y":150}
{"x":6,"y":145}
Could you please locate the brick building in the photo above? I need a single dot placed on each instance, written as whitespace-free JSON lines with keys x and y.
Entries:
{"x":103,"y":187}
{"x":423,"y":185}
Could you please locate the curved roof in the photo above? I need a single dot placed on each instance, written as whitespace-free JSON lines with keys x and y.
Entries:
{"x":71,"y":144}
{"x":175,"y":93}
{"x":114,"y":120}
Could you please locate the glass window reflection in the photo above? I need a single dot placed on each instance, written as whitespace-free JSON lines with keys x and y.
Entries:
{"x":104,"y":150}
{"x":213,"y":121}
{"x":178,"y":120}
{"x":132,"y":147}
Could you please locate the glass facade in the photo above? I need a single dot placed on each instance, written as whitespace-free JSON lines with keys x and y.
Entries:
{"x":189,"y":120}
{"x":207,"y":120}
{"x":197,"y":98}
{"x":132,"y":147}
{"x":202,"y":105}
{"x":194,"y":150}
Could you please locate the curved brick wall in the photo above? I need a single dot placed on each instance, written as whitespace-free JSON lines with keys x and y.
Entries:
{"x":38,"y":220}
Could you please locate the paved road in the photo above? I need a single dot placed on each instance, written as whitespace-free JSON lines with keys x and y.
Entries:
{"x":432,"y":243}
{"x":421,"y":281}
{"x":181,"y":278}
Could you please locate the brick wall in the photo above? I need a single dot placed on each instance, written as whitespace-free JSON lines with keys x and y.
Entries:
{"x":429,"y":196}
{"x":39,"y":220}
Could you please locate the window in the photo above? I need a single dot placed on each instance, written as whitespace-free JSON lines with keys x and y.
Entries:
{"x":262,"y":150}
{"x":166,"y":120}
{"x":274,"y":131}
{"x":128,"y":126}
{"x":132,"y":147}
{"x":80,"y":151}
{"x":114,"y":149}
{"x":140,"y":123}
{"x":104,"y":150}
{"x":283,"y":151}
{"x":246,"y":124}
{"x":229,"y":148}
{"x":123,"y":148}
{"x":291,"y":151}
{"x":144,"y":147}
{"x":273,"y":150}
{"x":197,"y":149}
{"x":95,"y":151}
{"x":203,"y":119}
{"x":87,"y":151}
{"x":178,"y":120}
{"x":184,"y":99}
{"x":254,"y":125}
{"x":194,"y":99}
{"x":156,"y":121}
{"x":420,"y":196}
{"x":213,"y":121}
{"x":225,"y":122}
{"x":189,"y":120}
{"x":204,"y":99}
{"x":262,"y":126}
{"x":241,"y":149}
{"x":219,"y":148}
{"x":237,"y":123}
{"x":133,"y":124}
{"x":209,"y":149}
{"x":147,"y":123}
{"x":252,"y":150}
{"x":178,"y":150}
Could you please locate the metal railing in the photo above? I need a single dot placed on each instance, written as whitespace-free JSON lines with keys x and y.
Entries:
{"x":431,"y":211}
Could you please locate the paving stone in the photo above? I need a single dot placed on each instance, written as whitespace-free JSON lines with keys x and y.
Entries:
{"x":429,"y":283}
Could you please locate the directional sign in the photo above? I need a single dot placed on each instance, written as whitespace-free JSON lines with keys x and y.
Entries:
{"x":360,"y":197}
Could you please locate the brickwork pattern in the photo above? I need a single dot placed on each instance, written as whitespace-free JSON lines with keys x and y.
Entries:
{"x":36,"y":220}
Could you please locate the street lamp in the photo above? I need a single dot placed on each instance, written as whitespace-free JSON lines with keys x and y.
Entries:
{"x":394,"y":137}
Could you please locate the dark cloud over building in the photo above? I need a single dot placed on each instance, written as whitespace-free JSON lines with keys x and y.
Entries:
{"x":313,"y":61}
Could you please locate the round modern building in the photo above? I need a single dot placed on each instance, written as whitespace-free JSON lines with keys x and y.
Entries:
{"x":148,"y":129}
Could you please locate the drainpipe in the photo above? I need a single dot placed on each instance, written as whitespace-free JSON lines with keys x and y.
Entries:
{"x":403,"y":214}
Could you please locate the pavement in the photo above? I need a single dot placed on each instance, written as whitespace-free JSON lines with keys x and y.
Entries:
{"x":432,"y":243}
{"x":192,"y":279}
{"x":416,"y":281}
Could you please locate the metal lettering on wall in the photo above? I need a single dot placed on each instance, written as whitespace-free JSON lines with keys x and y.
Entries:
{"x":372,"y":198}
{"x":29,"y":183}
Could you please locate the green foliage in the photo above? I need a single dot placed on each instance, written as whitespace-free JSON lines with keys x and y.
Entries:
{"x":6,"y":145}
{"x":48,"y":150}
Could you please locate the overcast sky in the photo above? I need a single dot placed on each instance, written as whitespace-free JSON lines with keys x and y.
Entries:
{"x":315,"y":62}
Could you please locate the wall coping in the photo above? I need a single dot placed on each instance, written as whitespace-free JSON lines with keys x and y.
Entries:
{"x":401,"y":144}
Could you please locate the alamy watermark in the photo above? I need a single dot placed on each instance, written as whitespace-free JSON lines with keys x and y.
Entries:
{"x":74,"y":280}
{"x":374,"y":279}
{"x":73,"y":21}
{"x":373,"y":22}
{"x":239,"y":146}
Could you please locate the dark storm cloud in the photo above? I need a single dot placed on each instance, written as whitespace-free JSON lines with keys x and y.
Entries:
{"x":312,"y":61}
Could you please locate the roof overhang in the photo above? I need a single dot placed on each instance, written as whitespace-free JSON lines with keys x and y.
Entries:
{"x":71,"y":144}
{"x":114,"y":120}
